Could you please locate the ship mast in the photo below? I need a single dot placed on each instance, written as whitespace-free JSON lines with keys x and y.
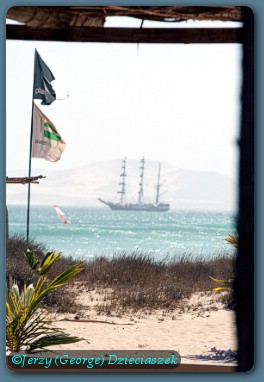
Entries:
{"x":140,"y":192}
{"x":122,"y":182}
{"x":158,"y":186}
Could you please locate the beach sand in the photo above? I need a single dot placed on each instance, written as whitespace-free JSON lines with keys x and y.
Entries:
{"x":201,"y":331}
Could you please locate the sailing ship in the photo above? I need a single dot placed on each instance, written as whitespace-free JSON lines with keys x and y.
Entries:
{"x":121,"y":205}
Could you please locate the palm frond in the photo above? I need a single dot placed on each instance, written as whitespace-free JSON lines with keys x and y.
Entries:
{"x":224,"y":284}
{"x":58,"y":338}
{"x":47,"y":262}
{"x":31,"y":259}
{"x":232,"y":240}
{"x":66,"y":275}
{"x":26,"y":324}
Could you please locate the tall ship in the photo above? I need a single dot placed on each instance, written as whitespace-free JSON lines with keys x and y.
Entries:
{"x":140,"y":205}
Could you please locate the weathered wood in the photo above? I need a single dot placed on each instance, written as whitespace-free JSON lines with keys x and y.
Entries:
{"x":96,"y":15}
{"x":24,"y":180}
{"x":125,"y":35}
{"x":7,"y":225}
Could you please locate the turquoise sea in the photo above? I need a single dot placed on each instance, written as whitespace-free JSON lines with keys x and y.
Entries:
{"x":101,"y":232}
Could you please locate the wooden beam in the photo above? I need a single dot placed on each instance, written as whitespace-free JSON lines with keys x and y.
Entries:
{"x":125,"y":35}
{"x":24,"y":180}
{"x":245,"y":282}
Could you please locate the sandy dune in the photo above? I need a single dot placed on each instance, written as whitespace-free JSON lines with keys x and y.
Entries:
{"x":203,"y":332}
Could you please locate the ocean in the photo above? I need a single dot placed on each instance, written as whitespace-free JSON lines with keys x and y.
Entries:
{"x":98,"y":232}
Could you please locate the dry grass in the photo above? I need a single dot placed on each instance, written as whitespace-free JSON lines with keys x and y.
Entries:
{"x":130,"y":282}
{"x":134,"y":281}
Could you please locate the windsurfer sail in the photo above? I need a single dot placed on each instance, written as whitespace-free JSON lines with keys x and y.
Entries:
{"x":61,"y":215}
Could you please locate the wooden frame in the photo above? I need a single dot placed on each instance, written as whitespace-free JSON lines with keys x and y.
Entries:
{"x":126,"y":35}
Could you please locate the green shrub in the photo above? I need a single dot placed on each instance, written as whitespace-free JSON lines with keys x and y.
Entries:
{"x":63,"y":300}
{"x":226,"y":284}
{"x":27,"y":326}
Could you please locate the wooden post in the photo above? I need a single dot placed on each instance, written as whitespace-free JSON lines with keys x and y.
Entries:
{"x":6,"y":224}
{"x":244,"y":284}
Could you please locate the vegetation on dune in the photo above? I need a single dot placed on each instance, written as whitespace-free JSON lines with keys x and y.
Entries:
{"x":227,"y":284}
{"x":128,"y":281}
{"x":27,"y":324}
{"x":133,"y":282}
{"x":233,"y":240}
{"x":62,"y":299}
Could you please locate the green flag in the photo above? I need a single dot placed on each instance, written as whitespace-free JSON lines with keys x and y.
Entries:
{"x":46,"y":141}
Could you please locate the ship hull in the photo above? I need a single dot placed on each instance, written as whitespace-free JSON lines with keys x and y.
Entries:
{"x":162,"y":207}
{"x":139,"y":207}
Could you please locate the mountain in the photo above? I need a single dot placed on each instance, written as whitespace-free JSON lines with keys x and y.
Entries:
{"x":184,"y":189}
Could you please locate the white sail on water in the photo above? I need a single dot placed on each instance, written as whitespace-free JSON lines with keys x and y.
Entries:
{"x":61,"y":215}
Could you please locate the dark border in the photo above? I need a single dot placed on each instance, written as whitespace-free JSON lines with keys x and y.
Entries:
{"x":244,"y":283}
{"x":255,"y":374}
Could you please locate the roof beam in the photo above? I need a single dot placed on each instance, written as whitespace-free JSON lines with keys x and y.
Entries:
{"x":125,"y":35}
{"x":24,"y":180}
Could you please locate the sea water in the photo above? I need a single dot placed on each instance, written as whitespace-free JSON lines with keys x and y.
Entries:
{"x":98,"y":232}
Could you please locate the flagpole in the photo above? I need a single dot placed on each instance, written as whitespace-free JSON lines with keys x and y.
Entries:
{"x":42,"y":89}
{"x":30,"y":154}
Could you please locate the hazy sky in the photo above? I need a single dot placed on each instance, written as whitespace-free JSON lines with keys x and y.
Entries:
{"x":175,"y":103}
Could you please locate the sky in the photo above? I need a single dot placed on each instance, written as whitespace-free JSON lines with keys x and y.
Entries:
{"x":174,"y":103}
